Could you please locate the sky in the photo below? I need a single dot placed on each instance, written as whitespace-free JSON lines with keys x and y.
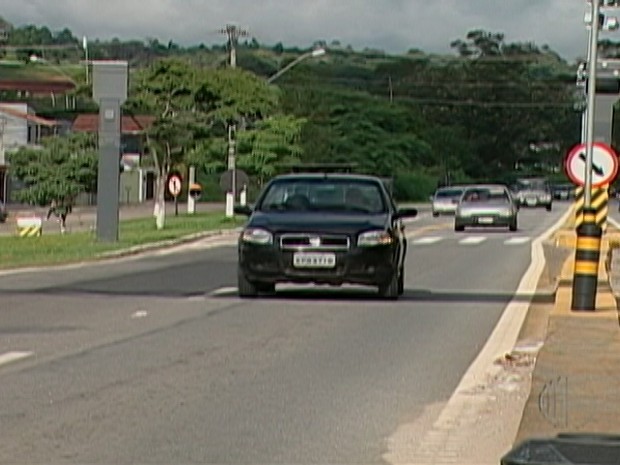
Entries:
{"x":391,"y":25}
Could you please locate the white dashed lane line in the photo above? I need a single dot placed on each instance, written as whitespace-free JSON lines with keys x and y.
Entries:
{"x":427,"y":240}
{"x":517,"y":240}
{"x":474,"y":240}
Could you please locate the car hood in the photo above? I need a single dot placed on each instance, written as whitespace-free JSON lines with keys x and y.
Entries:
{"x":318,"y":222}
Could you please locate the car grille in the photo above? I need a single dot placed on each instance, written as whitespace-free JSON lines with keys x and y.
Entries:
{"x":314,"y":242}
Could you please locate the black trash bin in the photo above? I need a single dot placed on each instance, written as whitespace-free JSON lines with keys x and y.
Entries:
{"x":566,"y":449}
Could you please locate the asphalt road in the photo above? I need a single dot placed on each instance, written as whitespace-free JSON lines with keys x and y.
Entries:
{"x":155,"y":360}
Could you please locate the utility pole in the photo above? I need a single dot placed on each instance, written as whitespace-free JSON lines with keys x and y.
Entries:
{"x":232,"y":33}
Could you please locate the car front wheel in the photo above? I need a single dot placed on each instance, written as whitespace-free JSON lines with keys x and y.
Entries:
{"x":390,"y":290}
{"x":513,"y":226}
{"x":245,"y":288}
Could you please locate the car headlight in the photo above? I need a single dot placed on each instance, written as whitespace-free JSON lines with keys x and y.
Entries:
{"x":257,"y":236}
{"x":506,"y":212}
{"x":378,"y":237}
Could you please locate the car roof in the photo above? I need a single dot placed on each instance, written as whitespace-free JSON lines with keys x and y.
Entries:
{"x":487,"y":186}
{"x":335,"y":176}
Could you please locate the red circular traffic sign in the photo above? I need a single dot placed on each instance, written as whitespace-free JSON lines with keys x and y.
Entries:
{"x":604,"y":164}
{"x":174,"y":185}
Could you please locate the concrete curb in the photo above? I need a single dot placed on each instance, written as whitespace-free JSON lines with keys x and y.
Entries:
{"x":152,"y":246}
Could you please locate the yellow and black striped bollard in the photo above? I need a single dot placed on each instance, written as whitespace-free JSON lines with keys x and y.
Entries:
{"x":587,"y":256}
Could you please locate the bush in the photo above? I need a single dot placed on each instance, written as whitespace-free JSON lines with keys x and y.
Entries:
{"x":414,"y":187}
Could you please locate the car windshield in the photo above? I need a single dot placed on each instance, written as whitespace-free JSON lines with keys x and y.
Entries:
{"x":484,"y":194}
{"x":324,"y":195}
{"x":448,"y":193}
{"x":532,"y":184}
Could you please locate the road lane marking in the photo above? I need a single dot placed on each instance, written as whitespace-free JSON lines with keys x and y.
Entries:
{"x":450,"y":437}
{"x":427,"y":240}
{"x":227,"y":290}
{"x":9,"y":357}
{"x":517,"y":240}
{"x":474,"y":240}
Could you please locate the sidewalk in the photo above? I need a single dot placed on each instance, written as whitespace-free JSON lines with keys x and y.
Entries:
{"x":83,"y":218}
{"x":576,"y":381}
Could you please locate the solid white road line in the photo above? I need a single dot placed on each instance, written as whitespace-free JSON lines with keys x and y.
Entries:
{"x":517,"y":240}
{"x":472,"y":240}
{"x":9,"y":357}
{"x":453,"y":435}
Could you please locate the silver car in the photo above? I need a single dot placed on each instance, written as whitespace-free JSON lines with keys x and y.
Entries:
{"x":534,"y":192}
{"x":488,"y":205}
{"x":445,"y":200}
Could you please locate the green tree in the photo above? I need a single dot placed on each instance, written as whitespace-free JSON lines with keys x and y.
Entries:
{"x":273,"y":141}
{"x":166,"y":90}
{"x":57,"y":172}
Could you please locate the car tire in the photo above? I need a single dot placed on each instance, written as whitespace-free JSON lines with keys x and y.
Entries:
{"x":401,"y":282}
{"x":459,"y":228}
{"x":549,"y":207}
{"x":435,"y":214}
{"x":389,"y":290}
{"x":513,"y":226}
{"x":246,"y":289}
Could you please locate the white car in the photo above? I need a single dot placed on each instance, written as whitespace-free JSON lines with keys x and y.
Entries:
{"x":445,"y":200}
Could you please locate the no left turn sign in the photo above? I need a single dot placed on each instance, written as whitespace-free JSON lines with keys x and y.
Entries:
{"x":604,"y":164}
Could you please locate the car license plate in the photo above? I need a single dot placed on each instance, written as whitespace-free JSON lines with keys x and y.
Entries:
{"x":485,"y":220}
{"x":314,"y":260}
{"x":531,"y":202}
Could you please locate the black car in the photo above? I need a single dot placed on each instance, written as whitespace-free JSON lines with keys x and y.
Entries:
{"x":324,"y":229}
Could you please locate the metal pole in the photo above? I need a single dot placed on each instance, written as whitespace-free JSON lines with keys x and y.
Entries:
{"x":584,"y":113}
{"x":593,"y":55}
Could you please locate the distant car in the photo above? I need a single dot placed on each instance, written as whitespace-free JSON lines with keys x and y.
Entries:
{"x":490,"y":205}
{"x":534,"y":192}
{"x":563,"y":191}
{"x":445,"y":200}
{"x":325,"y":229}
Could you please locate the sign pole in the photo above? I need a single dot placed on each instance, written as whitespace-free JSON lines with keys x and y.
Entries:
{"x":593,"y":58}
{"x":589,"y":233}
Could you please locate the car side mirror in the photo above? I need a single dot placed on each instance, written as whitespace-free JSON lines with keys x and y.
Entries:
{"x":406,"y":213}
{"x":245,"y":210}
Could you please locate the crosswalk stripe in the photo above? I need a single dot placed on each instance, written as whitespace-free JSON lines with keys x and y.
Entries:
{"x":517,"y":240}
{"x":472,"y":240}
{"x":427,"y":240}
{"x":9,"y":357}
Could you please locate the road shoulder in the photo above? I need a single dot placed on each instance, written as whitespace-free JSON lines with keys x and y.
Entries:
{"x":574,"y":384}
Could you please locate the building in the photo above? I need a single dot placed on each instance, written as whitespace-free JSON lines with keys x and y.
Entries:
{"x":5,"y":30}
{"x":137,"y":180}
{"x":20,"y":127}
